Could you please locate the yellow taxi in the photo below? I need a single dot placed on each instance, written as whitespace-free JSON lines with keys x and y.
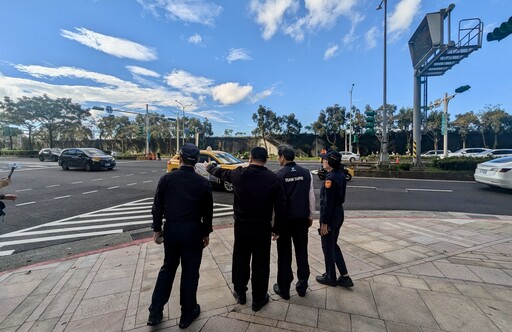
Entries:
{"x":221,"y":158}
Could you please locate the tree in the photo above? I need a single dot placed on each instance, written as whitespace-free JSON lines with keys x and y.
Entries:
{"x":290,"y":126}
{"x":464,"y":123}
{"x":330,"y":123}
{"x":494,"y":118}
{"x":404,"y":121}
{"x":19,"y":114}
{"x":433,"y":126}
{"x":267,"y":123}
{"x":228,"y":132}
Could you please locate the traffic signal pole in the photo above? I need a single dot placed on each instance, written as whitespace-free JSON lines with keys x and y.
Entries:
{"x":147,"y":130}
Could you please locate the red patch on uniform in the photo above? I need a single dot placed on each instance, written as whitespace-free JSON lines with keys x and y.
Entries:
{"x":328,"y":184}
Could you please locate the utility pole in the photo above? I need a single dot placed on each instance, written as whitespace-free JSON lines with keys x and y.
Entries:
{"x":183,"y":119}
{"x":384,"y":158}
{"x":350,"y":134}
{"x":147,"y":130}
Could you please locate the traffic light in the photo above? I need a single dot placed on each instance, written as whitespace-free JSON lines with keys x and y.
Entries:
{"x":463,"y":88}
{"x":370,"y":122}
{"x":141,"y":130}
{"x":503,"y":31}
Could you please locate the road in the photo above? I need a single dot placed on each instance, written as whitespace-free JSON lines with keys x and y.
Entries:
{"x":57,"y":207}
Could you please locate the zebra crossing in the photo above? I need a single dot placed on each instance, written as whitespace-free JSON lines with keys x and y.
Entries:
{"x":112,"y":220}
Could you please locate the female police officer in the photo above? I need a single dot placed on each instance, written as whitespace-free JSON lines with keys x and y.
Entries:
{"x":332,"y":197}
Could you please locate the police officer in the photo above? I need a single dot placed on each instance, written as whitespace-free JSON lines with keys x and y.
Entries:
{"x":257,"y":195}
{"x":298,"y":188}
{"x":184,"y":198}
{"x":332,"y":197}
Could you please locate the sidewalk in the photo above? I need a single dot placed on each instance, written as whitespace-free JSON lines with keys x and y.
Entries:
{"x":412,"y":271}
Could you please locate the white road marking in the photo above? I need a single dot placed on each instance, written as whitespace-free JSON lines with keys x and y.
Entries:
{"x":27,"y":203}
{"x":130,"y":174}
{"x":82,"y":228}
{"x":433,"y":190}
{"x":131,"y":184}
{"x":143,"y":172}
{"x":53,"y":185}
{"x":362,"y":187}
{"x":114,"y":187}
{"x":147,"y":181}
{"x":77,"y":182}
{"x":59,"y":237}
{"x":97,"y":179}
{"x":6,"y":252}
{"x":60,"y":197}
{"x":89,"y":192}
{"x":20,"y":190}
{"x":115,"y":177}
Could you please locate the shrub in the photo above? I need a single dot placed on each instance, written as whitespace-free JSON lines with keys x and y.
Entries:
{"x":19,"y":153}
{"x":459,"y":163}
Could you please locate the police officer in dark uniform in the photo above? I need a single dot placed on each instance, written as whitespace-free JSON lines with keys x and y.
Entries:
{"x":298,"y":188}
{"x":184,"y":198}
{"x":332,"y":197}
{"x":257,"y":195}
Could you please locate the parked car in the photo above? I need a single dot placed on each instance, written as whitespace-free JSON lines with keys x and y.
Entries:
{"x":434,"y":153}
{"x":86,"y":158}
{"x":349,"y":156}
{"x":221,"y":158}
{"x":495,"y":153}
{"x":469,"y":152}
{"x":51,"y":154}
{"x":495,"y":173}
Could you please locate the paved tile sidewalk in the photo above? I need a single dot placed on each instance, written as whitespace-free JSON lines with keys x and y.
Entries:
{"x":412,"y":272}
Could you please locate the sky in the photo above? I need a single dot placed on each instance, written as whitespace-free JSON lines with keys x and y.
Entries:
{"x":222,"y":59}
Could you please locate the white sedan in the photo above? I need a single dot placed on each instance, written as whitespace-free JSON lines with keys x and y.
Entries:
{"x":349,"y":156}
{"x":495,"y":173}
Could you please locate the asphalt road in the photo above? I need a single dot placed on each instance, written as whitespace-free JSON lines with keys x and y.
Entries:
{"x":55,"y":207}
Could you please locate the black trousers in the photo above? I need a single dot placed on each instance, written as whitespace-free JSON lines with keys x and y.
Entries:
{"x":296,"y":231}
{"x":332,"y":253}
{"x":182,"y":242}
{"x":252,"y":241}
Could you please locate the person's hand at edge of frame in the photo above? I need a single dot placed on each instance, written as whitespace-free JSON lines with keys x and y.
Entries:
{"x":324,"y":229}
{"x":10,"y":197}
{"x":158,"y":237}
{"x":206,"y":241}
{"x":4,"y":182}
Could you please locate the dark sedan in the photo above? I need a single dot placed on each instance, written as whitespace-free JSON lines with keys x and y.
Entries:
{"x":49,"y":154}
{"x":86,"y":158}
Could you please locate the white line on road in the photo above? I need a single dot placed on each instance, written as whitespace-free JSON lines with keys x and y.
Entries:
{"x":433,"y":190}
{"x":153,"y":171}
{"x":77,"y":182}
{"x":59,"y":237}
{"x":130,"y":174}
{"x":97,"y":179}
{"x":6,"y":252}
{"x":143,"y":172}
{"x":147,"y":181}
{"x":27,"y":203}
{"x":115,"y":176}
{"x":20,"y":190}
{"x":89,"y":192}
{"x":82,"y":228}
{"x":131,"y":184}
{"x":362,"y":187}
{"x":60,"y":197}
{"x":53,"y":185}
{"x":114,"y":187}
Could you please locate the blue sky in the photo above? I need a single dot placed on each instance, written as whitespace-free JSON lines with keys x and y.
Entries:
{"x":225,"y":58}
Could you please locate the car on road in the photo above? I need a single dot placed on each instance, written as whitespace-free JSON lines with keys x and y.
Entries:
{"x":495,"y":173}
{"x":222,"y":159}
{"x":349,"y":156}
{"x":495,"y":153}
{"x":468,"y":152}
{"x":433,"y":153}
{"x":86,"y":158}
{"x":51,"y":154}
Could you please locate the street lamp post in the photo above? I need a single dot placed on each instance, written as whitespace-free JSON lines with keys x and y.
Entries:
{"x":183,"y":119}
{"x":384,"y":159}
{"x":350,"y":134}
{"x":147,"y":130}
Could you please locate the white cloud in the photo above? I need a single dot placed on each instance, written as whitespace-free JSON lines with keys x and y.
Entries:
{"x":195,"y":39}
{"x":402,"y":17}
{"x":187,"y":82}
{"x":142,"y":71}
{"x":71,"y":72}
{"x":236,"y":54}
{"x":261,"y":95}
{"x":230,"y":93}
{"x":214,"y":115}
{"x":330,"y":52}
{"x":191,"y":11}
{"x":270,"y":14}
{"x":117,"y":47}
{"x":371,"y":37}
